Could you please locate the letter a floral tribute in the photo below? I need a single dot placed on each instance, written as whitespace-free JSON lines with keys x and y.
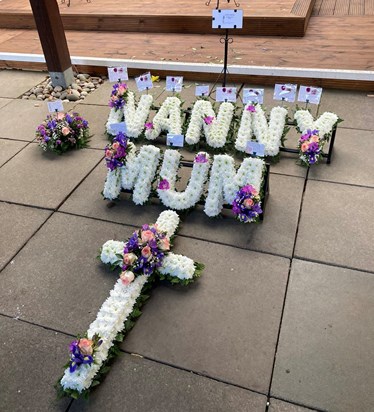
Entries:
{"x":143,"y":258}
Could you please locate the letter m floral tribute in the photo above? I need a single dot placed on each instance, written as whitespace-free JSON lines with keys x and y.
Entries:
{"x":143,"y":258}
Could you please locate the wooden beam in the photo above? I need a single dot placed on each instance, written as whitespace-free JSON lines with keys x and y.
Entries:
{"x":52,"y":38}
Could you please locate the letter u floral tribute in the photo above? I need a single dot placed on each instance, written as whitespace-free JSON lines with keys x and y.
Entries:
{"x":145,"y":257}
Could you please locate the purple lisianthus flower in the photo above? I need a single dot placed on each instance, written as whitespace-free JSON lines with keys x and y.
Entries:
{"x":58,"y":142}
{"x":208,"y":119}
{"x":68,"y":118}
{"x":47,"y":139}
{"x":164,"y":185}
{"x":251,"y":108}
{"x":148,"y":125}
{"x":201,"y":158}
{"x":313,"y":147}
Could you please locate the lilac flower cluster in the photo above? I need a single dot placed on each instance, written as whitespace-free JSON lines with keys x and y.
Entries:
{"x":247,"y":204}
{"x":63,"y":131}
{"x":145,"y":250}
{"x":310,"y":146}
{"x":118,"y":96}
{"x":116,"y":152}
{"x":82,"y":351}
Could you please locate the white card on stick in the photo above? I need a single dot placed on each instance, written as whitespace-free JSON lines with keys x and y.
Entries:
{"x":285,"y":92}
{"x":255,"y":149}
{"x":116,"y":74}
{"x":253,"y":96}
{"x":118,"y":127}
{"x":310,"y":94}
{"x":227,"y":19}
{"x":56,"y":106}
{"x":226,"y":94}
{"x":175,"y":140}
{"x":174,"y":83}
{"x":144,"y":81}
{"x":202,"y":90}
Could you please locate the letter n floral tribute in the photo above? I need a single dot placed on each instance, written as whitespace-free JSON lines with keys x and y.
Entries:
{"x":145,"y":257}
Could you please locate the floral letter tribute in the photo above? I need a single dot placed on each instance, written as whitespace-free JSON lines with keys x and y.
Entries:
{"x":143,"y":258}
{"x":314,"y":134}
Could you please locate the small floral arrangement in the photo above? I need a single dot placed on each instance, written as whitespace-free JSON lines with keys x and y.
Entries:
{"x":247,"y":204}
{"x":310,"y":146}
{"x":118,"y":96}
{"x":82,"y":351}
{"x":61,"y":132}
{"x":144,"y":252}
{"x":116,"y":152}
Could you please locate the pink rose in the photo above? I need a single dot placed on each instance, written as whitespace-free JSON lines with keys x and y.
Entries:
{"x":65,"y":131}
{"x":314,"y":138}
{"x":60,"y":116}
{"x":121,"y":90}
{"x":129,"y":258}
{"x":115,"y":145}
{"x":127,"y":277}
{"x":304,"y":147}
{"x":108,"y":153}
{"x":85,"y":346}
{"x":146,"y":252}
{"x":248,"y":203}
{"x":147,"y":235}
{"x":164,"y":244}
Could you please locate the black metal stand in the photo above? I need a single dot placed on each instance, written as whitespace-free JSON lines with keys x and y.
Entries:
{"x":265,"y":189}
{"x":327,"y":155}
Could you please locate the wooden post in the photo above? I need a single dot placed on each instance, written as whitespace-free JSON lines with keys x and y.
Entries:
{"x":52,"y":37}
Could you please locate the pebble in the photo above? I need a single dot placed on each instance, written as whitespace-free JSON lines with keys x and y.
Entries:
{"x":82,"y":86}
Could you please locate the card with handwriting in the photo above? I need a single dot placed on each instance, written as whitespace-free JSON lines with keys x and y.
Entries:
{"x":117,"y":74}
{"x":56,"y":106}
{"x":255,"y":149}
{"x":285,"y":92}
{"x":202,"y":90}
{"x":226,"y":94}
{"x":118,"y":127}
{"x":175,"y":140}
{"x":227,"y":19}
{"x":310,"y":94}
{"x":253,"y":96}
{"x":144,"y":82}
{"x":174,"y":83}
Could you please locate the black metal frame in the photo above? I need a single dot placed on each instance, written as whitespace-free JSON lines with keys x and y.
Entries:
{"x":265,"y":189}
{"x":327,"y":155}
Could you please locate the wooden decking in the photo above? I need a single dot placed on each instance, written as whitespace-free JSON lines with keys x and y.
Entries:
{"x":261,"y":17}
{"x":343,"y":8}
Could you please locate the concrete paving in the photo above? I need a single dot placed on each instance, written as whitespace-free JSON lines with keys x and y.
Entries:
{"x":281,"y":320}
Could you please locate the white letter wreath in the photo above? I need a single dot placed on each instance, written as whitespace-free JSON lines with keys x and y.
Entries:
{"x":314,"y":134}
{"x":133,"y":115}
{"x":137,"y":172}
{"x":144,"y":257}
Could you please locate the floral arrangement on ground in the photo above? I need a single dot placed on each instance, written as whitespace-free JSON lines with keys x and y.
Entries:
{"x":143,"y":259}
{"x":61,"y":132}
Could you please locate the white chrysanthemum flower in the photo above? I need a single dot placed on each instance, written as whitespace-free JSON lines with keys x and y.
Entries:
{"x":178,"y":266}
{"x":135,"y":117}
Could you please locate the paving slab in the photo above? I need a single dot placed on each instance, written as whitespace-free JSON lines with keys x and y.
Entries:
{"x":150,"y":386}
{"x":325,"y":357}
{"x":4,"y":102}
{"x":44,"y":179}
{"x":337,"y":225}
{"x":8,"y":148}
{"x":31,"y":359}
{"x":225,"y":325}
{"x":279,"y":406}
{"x":18,"y":223}
{"x":350,"y":162}
{"x":20,"y":118}
{"x":97,"y":117}
{"x":57,"y":276}
{"x":13,"y":83}
{"x":275,"y":235}
{"x":355,"y":108}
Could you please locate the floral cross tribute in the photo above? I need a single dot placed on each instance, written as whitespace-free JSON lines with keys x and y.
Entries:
{"x":145,"y":256}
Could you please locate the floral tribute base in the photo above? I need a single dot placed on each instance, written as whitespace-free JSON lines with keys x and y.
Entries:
{"x":143,"y":259}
